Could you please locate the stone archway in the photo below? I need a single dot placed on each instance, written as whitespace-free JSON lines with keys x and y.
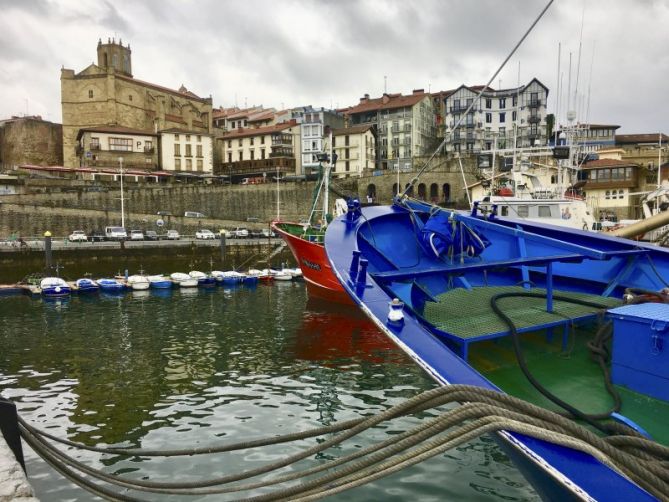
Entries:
{"x":422,"y":191}
{"x":434,"y":193}
{"x":446,"y":191}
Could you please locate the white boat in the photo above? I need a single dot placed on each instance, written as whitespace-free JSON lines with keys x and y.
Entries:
{"x":183,"y":280}
{"x":138,"y":282}
{"x":281,"y":275}
{"x":54,"y":287}
{"x":202,"y":278}
{"x":295,"y":272}
{"x":260,"y":275}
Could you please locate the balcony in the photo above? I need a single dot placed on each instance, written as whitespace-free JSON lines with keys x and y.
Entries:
{"x":460,"y":108}
{"x":470,"y":125}
{"x":534,"y":119}
{"x":534,"y":103}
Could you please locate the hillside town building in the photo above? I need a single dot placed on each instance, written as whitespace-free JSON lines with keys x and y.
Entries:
{"x":356,"y":149}
{"x":107,"y":94}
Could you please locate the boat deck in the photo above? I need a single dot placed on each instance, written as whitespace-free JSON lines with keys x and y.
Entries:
{"x":465,"y":316}
{"x":570,"y":374}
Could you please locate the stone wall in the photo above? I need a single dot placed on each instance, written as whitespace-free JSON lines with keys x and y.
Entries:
{"x":30,"y":140}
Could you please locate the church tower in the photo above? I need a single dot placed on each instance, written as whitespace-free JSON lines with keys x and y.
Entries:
{"x":114,"y":58}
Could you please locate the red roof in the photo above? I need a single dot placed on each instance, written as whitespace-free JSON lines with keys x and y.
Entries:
{"x":641,"y":138}
{"x":386,"y":102}
{"x":187,"y":93}
{"x":595,"y":164}
{"x":260,"y":131}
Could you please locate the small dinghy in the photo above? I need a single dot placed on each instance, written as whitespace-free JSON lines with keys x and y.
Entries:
{"x":111,"y":285}
{"x":138,"y":282}
{"x":159,"y":281}
{"x":54,"y":287}
{"x":183,"y":280}
{"x":203,"y":279}
{"x":86,"y":285}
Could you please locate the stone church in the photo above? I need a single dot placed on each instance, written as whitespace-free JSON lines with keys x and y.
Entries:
{"x":106,"y":94}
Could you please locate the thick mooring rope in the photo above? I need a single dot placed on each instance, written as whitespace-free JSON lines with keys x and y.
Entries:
{"x":484,"y":411}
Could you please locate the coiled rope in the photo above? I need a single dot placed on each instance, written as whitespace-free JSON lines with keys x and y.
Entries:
{"x":641,"y":460}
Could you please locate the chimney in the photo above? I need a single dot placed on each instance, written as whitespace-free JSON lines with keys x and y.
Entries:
{"x":419,"y":91}
{"x":364,"y":99}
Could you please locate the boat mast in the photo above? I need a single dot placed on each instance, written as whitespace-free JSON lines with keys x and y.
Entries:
{"x":120,"y":163}
{"x":326,"y":185}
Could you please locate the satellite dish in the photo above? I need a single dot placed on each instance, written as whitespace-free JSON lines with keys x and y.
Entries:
{"x":160,"y":222}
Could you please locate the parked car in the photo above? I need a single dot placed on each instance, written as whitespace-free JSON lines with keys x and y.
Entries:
{"x":96,"y":236}
{"x":164,"y":213}
{"x":115,"y":233}
{"x":204,"y":234}
{"x":151,"y":235}
{"x":136,"y":235}
{"x":77,"y":236}
{"x":255,"y":233}
{"x":172,"y":235}
{"x":193,"y":214}
{"x":240,"y":232}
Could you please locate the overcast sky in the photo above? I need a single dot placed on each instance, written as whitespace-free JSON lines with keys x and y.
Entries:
{"x":331,"y":52}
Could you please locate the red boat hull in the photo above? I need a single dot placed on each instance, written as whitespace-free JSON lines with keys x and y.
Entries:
{"x":316,"y":271}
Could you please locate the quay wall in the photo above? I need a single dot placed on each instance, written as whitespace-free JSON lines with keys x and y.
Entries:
{"x":14,"y":485}
{"x":77,"y":261}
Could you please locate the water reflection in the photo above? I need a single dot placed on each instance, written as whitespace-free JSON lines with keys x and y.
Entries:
{"x":195,"y":368}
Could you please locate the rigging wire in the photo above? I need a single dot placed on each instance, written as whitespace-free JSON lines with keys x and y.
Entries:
{"x":483,"y":89}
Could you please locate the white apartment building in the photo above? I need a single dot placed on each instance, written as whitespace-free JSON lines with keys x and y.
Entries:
{"x":500,"y":118}
{"x":103,"y":146}
{"x":186,"y":151}
{"x":356,"y":149}
{"x":315,"y":123}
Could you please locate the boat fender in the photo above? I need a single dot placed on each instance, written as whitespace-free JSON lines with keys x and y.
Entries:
{"x":395,"y":311}
{"x":57,"y":289}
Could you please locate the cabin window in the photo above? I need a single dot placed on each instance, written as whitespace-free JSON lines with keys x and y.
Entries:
{"x":505,"y":210}
{"x":544,"y":211}
{"x":523,"y":211}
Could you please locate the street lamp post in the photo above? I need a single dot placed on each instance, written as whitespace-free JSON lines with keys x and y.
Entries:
{"x":120,"y":163}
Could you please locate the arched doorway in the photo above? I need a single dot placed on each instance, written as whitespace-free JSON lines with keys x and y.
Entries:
{"x":421,"y":191}
{"x":446,"y":192}
{"x":371,"y":193}
{"x":434,"y":193}
{"x":408,"y":188}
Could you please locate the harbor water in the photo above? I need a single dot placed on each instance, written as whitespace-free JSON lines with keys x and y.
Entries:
{"x":191,"y":368}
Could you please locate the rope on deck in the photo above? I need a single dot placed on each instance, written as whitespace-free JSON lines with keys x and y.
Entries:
{"x":639,"y":459}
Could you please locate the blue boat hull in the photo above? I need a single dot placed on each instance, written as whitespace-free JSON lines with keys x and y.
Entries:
{"x":385,"y":236}
{"x":56,"y":292}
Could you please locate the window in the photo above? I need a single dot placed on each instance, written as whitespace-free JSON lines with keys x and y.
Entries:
{"x":129,"y":97}
{"x":488,"y":118}
{"x":505,"y":210}
{"x":348,"y":166}
{"x":200,"y":165}
{"x":523,"y":211}
{"x":251,"y":140}
{"x":232,"y":124}
{"x":189,"y":164}
{"x":502,"y":103}
{"x":262,"y":153}
{"x":513,"y":116}
{"x":515,"y":101}
{"x":95,"y":143}
{"x":177,"y":164}
{"x":544,"y":212}
{"x":253,"y":154}
{"x":229,"y":157}
{"x":229,"y":143}
{"x":199,"y":138}
{"x":120,"y":144}
{"x":262,"y":140}
{"x":188,"y":151}
{"x":241,"y":156}
{"x":187,"y":137}
{"x":608,"y":194}
{"x":198,"y":150}
{"x":502,"y":117}
{"x":488,"y":103}
{"x":90,"y":93}
{"x":177,"y":150}
{"x":239,"y":143}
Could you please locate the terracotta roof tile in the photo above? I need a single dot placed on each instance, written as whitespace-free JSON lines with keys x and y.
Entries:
{"x":188,"y":94}
{"x":386,"y":102}
{"x":595,"y":164}
{"x":260,"y":131}
{"x":352,"y":130}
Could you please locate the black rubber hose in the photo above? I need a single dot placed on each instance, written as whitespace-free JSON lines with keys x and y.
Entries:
{"x":523,"y":364}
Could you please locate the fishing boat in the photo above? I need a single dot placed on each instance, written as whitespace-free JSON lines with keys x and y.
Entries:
{"x":138,"y":282}
{"x":183,"y":280}
{"x":54,"y":287}
{"x":493,"y":303}
{"x":86,"y":285}
{"x":281,"y":275}
{"x":111,"y":285}
{"x":203,"y":280}
{"x":159,"y":281}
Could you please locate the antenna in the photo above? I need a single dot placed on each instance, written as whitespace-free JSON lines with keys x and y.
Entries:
{"x":578,"y":65}
{"x":559,"y":91}
{"x":592,"y":62}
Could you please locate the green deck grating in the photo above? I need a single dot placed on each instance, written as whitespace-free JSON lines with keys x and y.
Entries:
{"x":467,"y":315}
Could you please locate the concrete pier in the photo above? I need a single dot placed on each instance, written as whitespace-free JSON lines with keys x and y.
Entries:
{"x":14,"y":485}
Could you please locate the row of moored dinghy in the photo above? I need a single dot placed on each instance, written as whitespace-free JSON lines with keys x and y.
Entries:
{"x":56,"y":286}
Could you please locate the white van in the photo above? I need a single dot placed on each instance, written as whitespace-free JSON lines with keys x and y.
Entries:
{"x":115,"y":233}
{"x":193,"y":214}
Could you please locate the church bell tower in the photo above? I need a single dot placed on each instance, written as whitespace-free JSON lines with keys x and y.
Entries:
{"x":114,"y":58}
